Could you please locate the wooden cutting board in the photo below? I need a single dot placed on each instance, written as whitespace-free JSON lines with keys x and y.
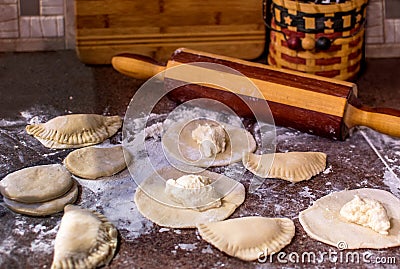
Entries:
{"x":156,"y":28}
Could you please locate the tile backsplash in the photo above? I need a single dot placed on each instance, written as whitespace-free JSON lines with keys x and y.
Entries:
{"x":29,"y":25}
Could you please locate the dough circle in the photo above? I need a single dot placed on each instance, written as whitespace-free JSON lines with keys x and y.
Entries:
{"x":95,"y":162}
{"x":178,"y":143}
{"x":165,"y":212}
{"x":323,"y":222}
{"x":36,"y":184}
{"x":44,"y":208}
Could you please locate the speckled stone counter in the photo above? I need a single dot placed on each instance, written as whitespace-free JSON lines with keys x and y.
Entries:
{"x":40,"y":86}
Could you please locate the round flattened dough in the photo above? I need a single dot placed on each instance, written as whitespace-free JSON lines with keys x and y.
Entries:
{"x":177,"y":217}
{"x":178,"y":143}
{"x":44,"y":208}
{"x":95,"y":162}
{"x":323,"y":222}
{"x":36,"y":184}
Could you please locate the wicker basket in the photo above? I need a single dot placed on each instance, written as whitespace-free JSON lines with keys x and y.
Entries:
{"x":321,"y":39}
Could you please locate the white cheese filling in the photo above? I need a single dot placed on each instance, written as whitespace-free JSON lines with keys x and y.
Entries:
{"x":211,"y":138}
{"x":368,"y":213}
{"x":194,"y":192}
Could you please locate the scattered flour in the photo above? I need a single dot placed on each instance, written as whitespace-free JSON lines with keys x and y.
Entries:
{"x":208,"y":249}
{"x":327,"y":170}
{"x":393,"y":182}
{"x":307,"y":194}
{"x":187,"y":247}
{"x":114,"y":198}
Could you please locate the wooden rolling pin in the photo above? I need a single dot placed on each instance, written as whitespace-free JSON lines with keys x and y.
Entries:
{"x":313,"y":104}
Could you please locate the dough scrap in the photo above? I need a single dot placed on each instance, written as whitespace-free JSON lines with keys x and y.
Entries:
{"x":75,"y":130}
{"x":95,"y":162}
{"x":323,"y":222}
{"x":290,"y":166}
{"x":178,"y":143}
{"x":85,"y":239}
{"x":44,"y":208}
{"x":166,"y":212}
{"x":36,"y":184}
{"x":248,"y":238}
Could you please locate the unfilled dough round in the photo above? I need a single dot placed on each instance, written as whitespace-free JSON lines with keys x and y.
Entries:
{"x":44,"y":208}
{"x":179,"y":144}
{"x":165,"y":212}
{"x":95,"y":162}
{"x":323,"y":222}
{"x":36,"y":184}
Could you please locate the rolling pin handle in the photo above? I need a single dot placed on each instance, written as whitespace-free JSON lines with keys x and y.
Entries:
{"x":137,"y":66}
{"x":383,"y":120}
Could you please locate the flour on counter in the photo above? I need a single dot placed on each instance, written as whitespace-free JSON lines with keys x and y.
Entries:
{"x":393,"y":182}
{"x":327,"y":170}
{"x":187,"y":247}
{"x":113,"y":197}
{"x":306,"y":193}
{"x":208,"y":249}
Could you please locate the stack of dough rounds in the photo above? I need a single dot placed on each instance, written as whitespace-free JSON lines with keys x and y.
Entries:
{"x":39,"y":190}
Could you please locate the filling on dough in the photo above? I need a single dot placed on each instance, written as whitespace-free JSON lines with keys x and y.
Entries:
{"x":212,"y":139}
{"x":368,"y":213}
{"x":194,"y":192}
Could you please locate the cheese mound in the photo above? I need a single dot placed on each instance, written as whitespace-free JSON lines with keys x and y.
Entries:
{"x":194,"y":192}
{"x":212,"y":139}
{"x":368,"y":213}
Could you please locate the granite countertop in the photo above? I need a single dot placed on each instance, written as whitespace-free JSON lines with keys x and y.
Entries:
{"x":40,"y":86}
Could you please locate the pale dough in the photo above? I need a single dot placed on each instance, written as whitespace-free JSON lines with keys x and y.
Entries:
{"x":36,"y":184}
{"x":179,"y":144}
{"x":44,"y":208}
{"x":75,"y":130}
{"x":248,"y":238}
{"x":323,"y":222}
{"x":94,"y":162}
{"x":85,"y":239}
{"x":290,"y":166}
{"x":153,"y":203}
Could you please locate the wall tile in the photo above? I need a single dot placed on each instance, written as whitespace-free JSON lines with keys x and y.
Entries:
{"x":25,"y":27}
{"x":52,"y":7}
{"x":9,"y":29}
{"x":60,"y":26}
{"x":8,"y":12}
{"x":397,"y":31}
{"x":390,"y":31}
{"x":36,"y":28}
{"x":8,"y":2}
{"x":374,"y":26}
{"x":48,"y":26}
{"x":52,"y":10}
{"x":42,"y":26}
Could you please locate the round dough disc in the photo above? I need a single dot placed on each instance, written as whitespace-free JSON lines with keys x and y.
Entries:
{"x":178,"y":143}
{"x":323,"y":222}
{"x":95,"y":162}
{"x":165,"y":212}
{"x":45,"y":208}
{"x":36,"y":184}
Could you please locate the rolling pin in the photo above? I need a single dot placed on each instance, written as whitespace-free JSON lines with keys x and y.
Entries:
{"x":309,"y":103}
